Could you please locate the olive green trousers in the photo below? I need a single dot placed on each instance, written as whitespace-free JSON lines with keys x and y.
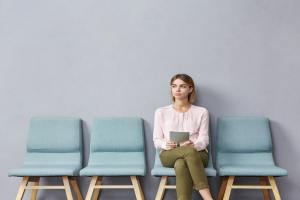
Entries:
{"x":189,"y":165}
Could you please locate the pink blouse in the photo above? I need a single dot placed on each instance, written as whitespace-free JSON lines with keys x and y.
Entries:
{"x":195,"y":120}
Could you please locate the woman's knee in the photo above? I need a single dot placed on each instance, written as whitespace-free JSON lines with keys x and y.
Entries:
{"x":180,"y":164}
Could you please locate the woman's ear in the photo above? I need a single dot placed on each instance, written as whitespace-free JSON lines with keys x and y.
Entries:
{"x":191,"y":89}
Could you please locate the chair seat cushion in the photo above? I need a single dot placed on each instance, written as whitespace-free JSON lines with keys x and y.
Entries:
{"x":113,"y":170}
{"x":53,"y":170}
{"x":251,"y":170}
{"x":115,"y":164}
{"x":165,"y":171}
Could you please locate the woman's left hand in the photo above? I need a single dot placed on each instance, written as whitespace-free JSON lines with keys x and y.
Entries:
{"x":187,"y":143}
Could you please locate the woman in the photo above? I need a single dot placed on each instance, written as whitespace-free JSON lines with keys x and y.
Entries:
{"x":189,"y":158}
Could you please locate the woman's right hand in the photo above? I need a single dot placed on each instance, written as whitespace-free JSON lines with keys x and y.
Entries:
{"x":171,"y":145}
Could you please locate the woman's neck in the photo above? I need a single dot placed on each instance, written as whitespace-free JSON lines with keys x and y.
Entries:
{"x":181,"y":105}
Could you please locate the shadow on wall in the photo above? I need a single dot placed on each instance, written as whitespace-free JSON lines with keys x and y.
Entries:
{"x":279,"y":132}
{"x":214,"y":101}
{"x":216,"y":104}
{"x":86,"y":142}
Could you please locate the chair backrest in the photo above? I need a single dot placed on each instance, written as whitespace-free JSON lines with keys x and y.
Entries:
{"x":54,"y":140}
{"x":243,"y":141}
{"x":117,"y":134}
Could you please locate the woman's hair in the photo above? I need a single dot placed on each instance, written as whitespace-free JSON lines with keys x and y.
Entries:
{"x":188,"y":80}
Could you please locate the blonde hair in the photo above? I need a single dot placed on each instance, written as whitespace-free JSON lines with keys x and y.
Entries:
{"x":188,"y":80}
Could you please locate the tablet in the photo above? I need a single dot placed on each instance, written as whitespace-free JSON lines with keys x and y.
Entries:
{"x":179,"y":136}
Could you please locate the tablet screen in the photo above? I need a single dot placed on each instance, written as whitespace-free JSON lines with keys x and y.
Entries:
{"x":179,"y":136}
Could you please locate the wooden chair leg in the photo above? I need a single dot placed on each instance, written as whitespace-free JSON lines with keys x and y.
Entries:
{"x":161,"y":188}
{"x":274,"y":188}
{"x":67,"y":188}
{"x":36,"y":181}
{"x":76,"y":188}
{"x":266,"y":194}
{"x":222,"y":188}
{"x":22,"y":188}
{"x":228,"y":187}
{"x":137,"y":188}
{"x":91,"y":188}
{"x":97,"y":191}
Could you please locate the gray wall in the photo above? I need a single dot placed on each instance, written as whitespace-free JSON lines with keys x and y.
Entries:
{"x":115,"y":58}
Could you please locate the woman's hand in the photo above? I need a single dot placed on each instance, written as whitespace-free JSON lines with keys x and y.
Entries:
{"x":187,"y":143}
{"x":171,"y":145}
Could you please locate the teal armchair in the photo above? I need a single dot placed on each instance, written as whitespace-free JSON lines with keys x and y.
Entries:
{"x":54,"y":149}
{"x":116,"y":149}
{"x":244,"y":148}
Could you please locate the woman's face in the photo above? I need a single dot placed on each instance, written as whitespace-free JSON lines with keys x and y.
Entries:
{"x":180,"y":89}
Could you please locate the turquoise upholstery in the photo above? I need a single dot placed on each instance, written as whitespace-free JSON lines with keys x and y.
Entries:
{"x":160,"y":170}
{"x":117,"y":148}
{"x":244,"y":147}
{"x":54,"y":148}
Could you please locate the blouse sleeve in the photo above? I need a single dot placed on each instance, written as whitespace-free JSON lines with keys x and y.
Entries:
{"x":203,"y":138}
{"x":158,"y":136}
